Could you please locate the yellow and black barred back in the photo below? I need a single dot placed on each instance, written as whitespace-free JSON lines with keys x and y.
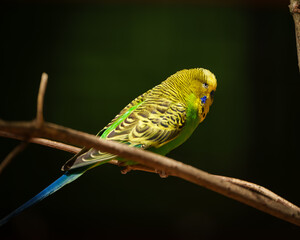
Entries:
{"x":157,"y":116}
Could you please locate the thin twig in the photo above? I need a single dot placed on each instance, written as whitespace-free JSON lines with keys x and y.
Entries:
{"x":19,"y":148}
{"x":295,"y":11}
{"x":40,"y":100}
{"x":44,"y":142}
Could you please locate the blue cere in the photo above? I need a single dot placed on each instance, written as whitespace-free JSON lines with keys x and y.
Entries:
{"x":203,"y":99}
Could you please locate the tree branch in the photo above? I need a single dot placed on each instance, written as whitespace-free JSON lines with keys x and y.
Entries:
{"x":75,"y":150}
{"x":295,"y":11}
{"x":251,"y":197}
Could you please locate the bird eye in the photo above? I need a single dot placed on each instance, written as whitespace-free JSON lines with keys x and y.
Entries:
{"x":205,"y":85}
{"x":212,"y":93}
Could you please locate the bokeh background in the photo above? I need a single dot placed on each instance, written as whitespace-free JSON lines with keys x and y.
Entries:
{"x":99,"y":56}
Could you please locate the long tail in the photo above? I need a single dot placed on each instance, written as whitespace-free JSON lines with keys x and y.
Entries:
{"x":59,"y":183}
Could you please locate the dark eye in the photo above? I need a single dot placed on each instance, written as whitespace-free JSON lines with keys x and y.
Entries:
{"x":205,"y":85}
{"x":212,"y":93}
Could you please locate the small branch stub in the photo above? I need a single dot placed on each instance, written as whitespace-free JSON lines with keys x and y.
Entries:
{"x":40,"y":100}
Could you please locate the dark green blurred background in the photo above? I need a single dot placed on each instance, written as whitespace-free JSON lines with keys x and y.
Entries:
{"x":101,"y":56}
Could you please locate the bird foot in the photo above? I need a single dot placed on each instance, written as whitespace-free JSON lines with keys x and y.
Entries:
{"x":126,"y":169}
{"x":162,"y":173}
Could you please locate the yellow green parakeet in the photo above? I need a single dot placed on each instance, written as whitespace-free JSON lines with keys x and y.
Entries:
{"x":159,"y":120}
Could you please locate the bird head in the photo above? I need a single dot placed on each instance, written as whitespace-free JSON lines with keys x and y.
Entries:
{"x":195,"y":86}
{"x":203,"y":85}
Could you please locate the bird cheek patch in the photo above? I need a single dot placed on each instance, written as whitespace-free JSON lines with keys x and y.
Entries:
{"x":203,"y":99}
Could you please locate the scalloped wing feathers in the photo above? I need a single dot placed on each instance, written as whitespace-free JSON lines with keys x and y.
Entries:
{"x":152,"y":124}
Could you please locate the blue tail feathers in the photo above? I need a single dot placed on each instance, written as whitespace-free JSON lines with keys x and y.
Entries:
{"x":68,"y":177}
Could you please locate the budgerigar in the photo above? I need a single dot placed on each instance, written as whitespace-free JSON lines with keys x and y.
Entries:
{"x":159,"y":120}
